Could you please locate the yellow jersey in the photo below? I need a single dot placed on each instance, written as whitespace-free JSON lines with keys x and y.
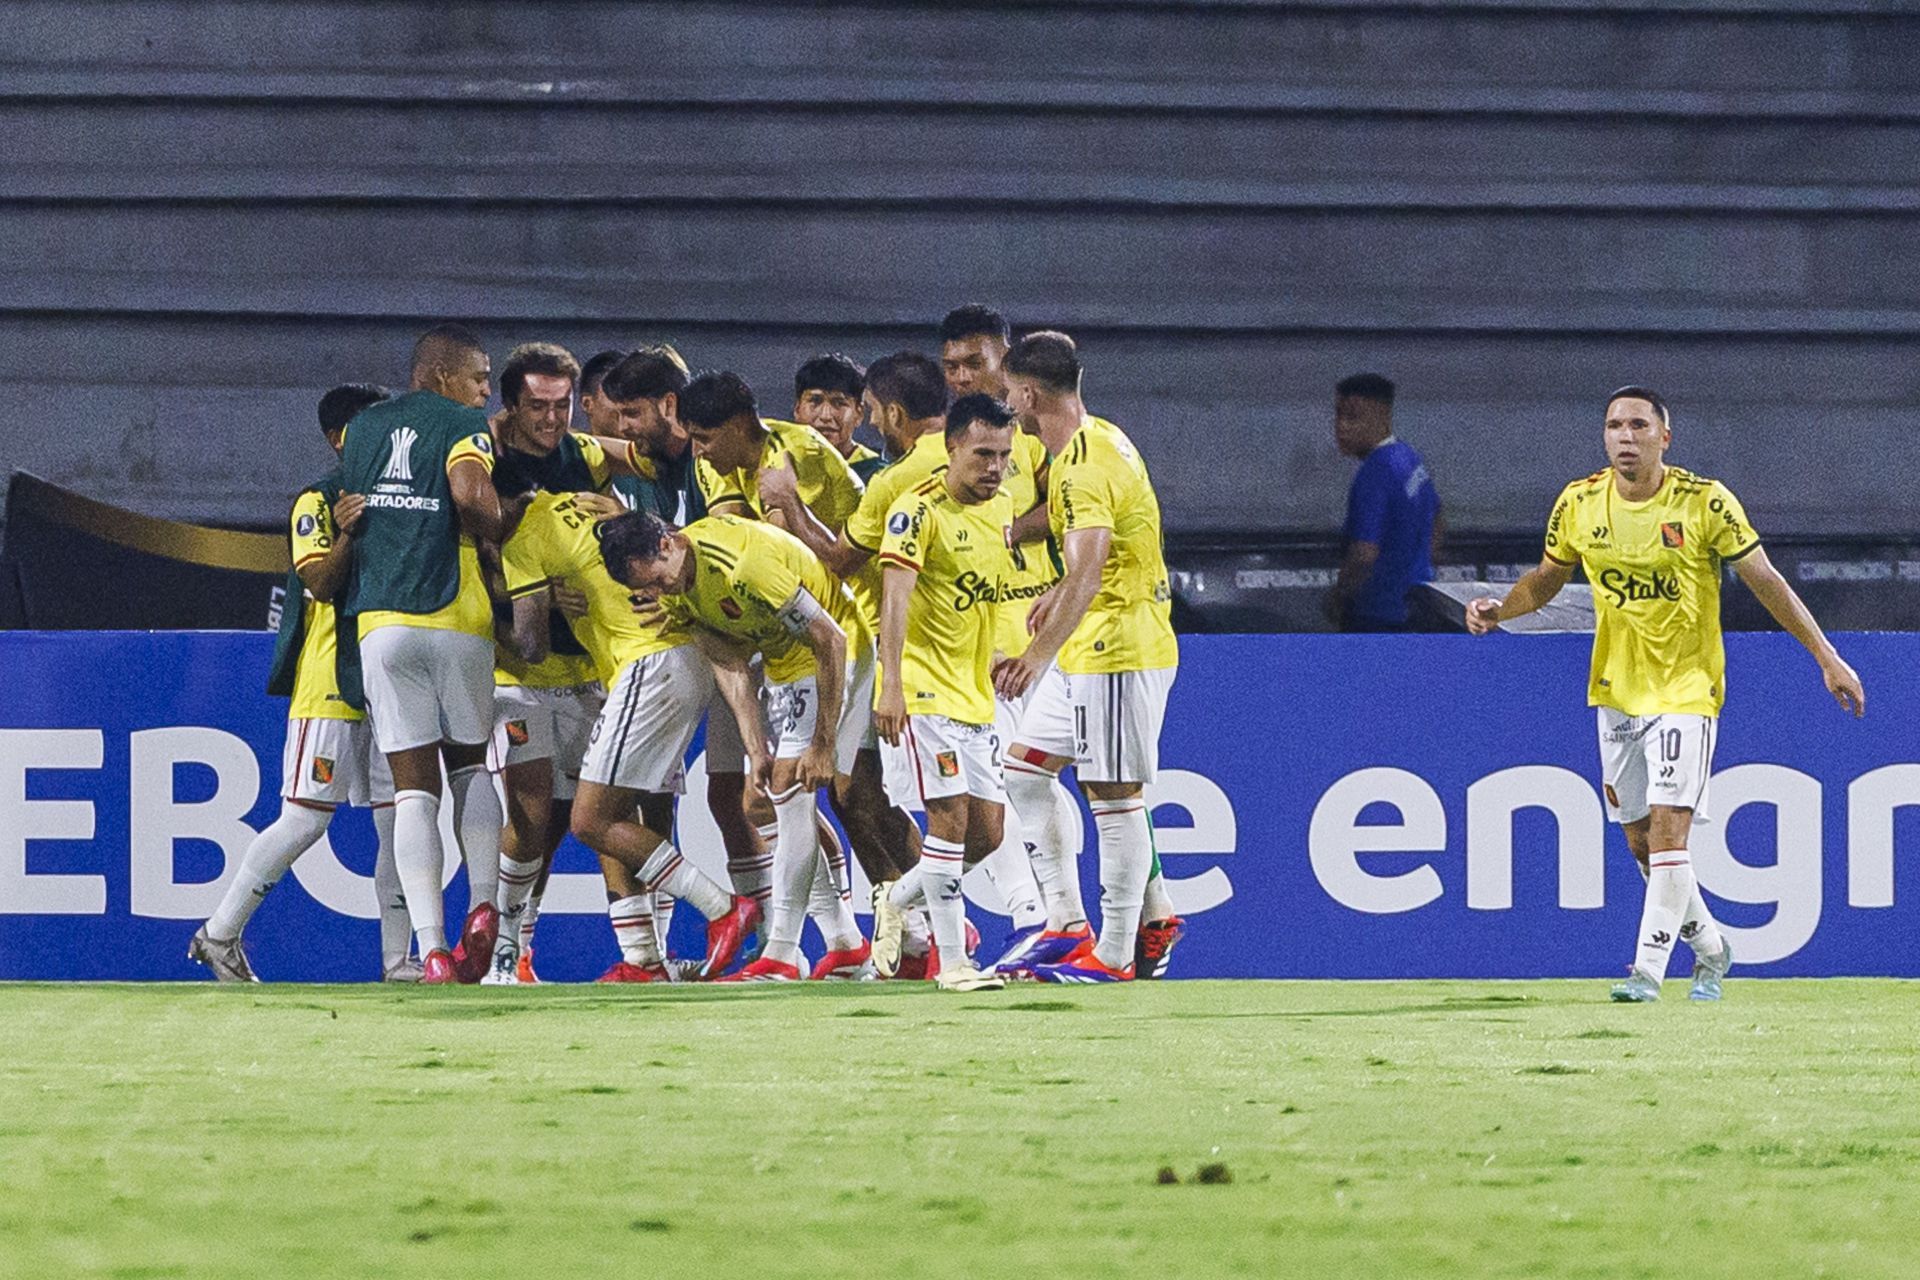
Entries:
{"x":1034,"y":568}
{"x":1099,"y":482}
{"x":555,"y":543}
{"x":316,"y":686}
{"x":960,"y":552}
{"x":745,"y":574}
{"x":1655,"y":570}
{"x":471,"y":609}
{"x":859,"y":454}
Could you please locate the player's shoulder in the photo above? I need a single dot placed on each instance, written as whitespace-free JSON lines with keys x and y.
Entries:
{"x":1688,"y":485}
{"x":1588,"y":486}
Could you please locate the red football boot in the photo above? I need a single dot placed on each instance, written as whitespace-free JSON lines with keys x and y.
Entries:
{"x":765,"y":970}
{"x":475,"y":953}
{"x":526,"y":973}
{"x":1154,"y":946}
{"x":624,"y":972}
{"x":437,"y":969}
{"x":845,"y":966}
{"x":913,"y":968}
{"x":725,"y":934}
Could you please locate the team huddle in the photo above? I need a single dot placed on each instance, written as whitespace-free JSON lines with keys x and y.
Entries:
{"x":529,"y":624}
{"x":942,"y":628}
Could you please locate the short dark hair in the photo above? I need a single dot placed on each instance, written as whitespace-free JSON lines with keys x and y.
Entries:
{"x":978,"y":407}
{"x":830,"y":372}
{"x":975,"y":319}
{"x":546,"y":359}
{"x":438,"y":346}
{"x":594,"y":371}
{"x":910,"y":380}
{"x":634,"y":536}
{"x":1365,"y":386}
{"x":338,"y":406}
{"x":646,"y":374}
{"x":716,"y":397}
{"x":1049,"y":357}
{"x":1648,"y":394}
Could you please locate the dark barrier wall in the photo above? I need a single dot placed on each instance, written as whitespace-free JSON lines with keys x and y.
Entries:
{"x":1330,"y":807}
{"x":213,"y":211}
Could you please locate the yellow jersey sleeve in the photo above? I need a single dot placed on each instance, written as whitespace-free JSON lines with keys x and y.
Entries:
{"x":310,"y":526}
{"x":908,"y":528}
{"x":1563,"y":540}
{"x":769,"y":580}
{"x":524,"y":560}
{"x":717,"y":489}
{"x":598,"y":464}
{"x":477,"y":447}
{"x":1082,"y":496}
{"x":1729,"y":533}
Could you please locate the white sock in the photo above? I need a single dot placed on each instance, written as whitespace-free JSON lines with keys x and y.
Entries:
{"x":796,"y":852}
{"x":1670,"y":884}
{"x":527,"y":920}
{"x":1050,"y":826}
{"x":517,"y":879}
{"x":1698,"y":928}
{"x":667,"y":871}
{"x":477,"y":823}
{"x":267,"y":858}
{"x":663,"y":904}
{"x":632,"y":921}
{"x":418,"y":858}
{"x":830,"y":904}
{"x":1010,"y":872}
{"x":909,"y":895}
{"x":1126,"y":860}
{"x":753,"y":876}
{"x":1157,"y":905}
{"x":396,"y":930}
{"x":941,"y":863}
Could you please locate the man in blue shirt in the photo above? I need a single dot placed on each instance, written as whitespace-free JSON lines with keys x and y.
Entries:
{"x":1393,"y":513}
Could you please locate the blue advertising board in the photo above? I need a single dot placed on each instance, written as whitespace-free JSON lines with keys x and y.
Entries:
{"x":1330,"y":807}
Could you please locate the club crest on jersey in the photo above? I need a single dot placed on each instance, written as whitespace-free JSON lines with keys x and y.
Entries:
{"x":1673,"y":535}
{"x":517,"y":732}
{"x":322,"y":770}
{"x":897,"y":523}
{"x":730,"y":607}
{"x":949,"y":764}
{"x":304,"y":527}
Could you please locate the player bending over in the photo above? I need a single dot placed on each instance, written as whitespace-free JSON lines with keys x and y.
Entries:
{"x":1652,"y":539}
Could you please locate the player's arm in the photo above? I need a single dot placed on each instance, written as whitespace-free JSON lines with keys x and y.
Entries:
{"x":325,"y":558}
{"x":1031,"y":525}
{"x":890,"y":712}
{"x":1784,"y":603}
{"x":1536,"y":586}
{"x":1355,"y":568}
{"x":780,"y":494}
{"x":532,"y":630}
{"x":807,"y":620}
{"x":484,"y":515}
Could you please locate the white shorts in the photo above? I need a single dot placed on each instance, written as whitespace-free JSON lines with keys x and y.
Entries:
{"x":334,"y":762}
{"x":640,"y":739}
{"x":1108,"y":725}
{"x":545,"y":724}
{"x":938,"y":757}
{"x":426,"y":686}
{"x":793,"y":712}
{"x":1649,"y":760}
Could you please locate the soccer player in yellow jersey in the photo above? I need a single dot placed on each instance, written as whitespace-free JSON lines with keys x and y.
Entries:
{"x":946,"y":554}
{"x":658,"y":688}
{"x":753,"y":588}
{"x":973,"y":347}
{"x":1652,"y":539}
{"x":829,"y":396}
{"x":1108,"y":624}
{"x":329,"y":759}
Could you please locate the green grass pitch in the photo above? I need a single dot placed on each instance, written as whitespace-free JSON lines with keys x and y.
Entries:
{"x":1354,"y":1129}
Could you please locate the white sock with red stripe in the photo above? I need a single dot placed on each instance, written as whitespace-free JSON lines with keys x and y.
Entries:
{"x":941,"y":863}
{"x":396,"y":929}
{"x":1126,"y":860}
{"x":830,"y":904}
{"x":1050,"y":824}
{"x":1698,"y":928}
{"x":477,"y":822}
{"x":796,"y":853}
{"x":663,"y":904}
{"x":418,"y":858}
{"x":267,"y":858}
{"x":517,"y":879}
{"x":632,"y":921}
{"x":528,"y":919}
{"x":667,"y":871}
{"x":1010,"y":872}
{"x":753,"y":876}
{"x":1670,"y":884}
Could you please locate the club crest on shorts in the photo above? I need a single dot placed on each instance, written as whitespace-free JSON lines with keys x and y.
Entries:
{"x":730,"y":607}
{"x":948,"y":763}
{"x":1673,"y":535}
{"x":517,"y":732}
{"x":322,"y":770}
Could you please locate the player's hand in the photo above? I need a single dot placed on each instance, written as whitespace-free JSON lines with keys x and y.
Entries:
{"x":649,"y":610}
{"x":1013,"y":677}
{"x":347,"y":511}
{"x":1844,"y":684}
{"x":1041,"y":610}
{"x":890,"y":716}
{"x":570,"y":603}
{"x":816,"y":767}
{"x":601,"y":506}
{"x":760,"y":766}
{"x":779,"y":486}
{"x":1483,"y":615}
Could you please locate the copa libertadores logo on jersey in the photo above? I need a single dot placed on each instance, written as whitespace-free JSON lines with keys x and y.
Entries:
{"x":400,"y":455}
